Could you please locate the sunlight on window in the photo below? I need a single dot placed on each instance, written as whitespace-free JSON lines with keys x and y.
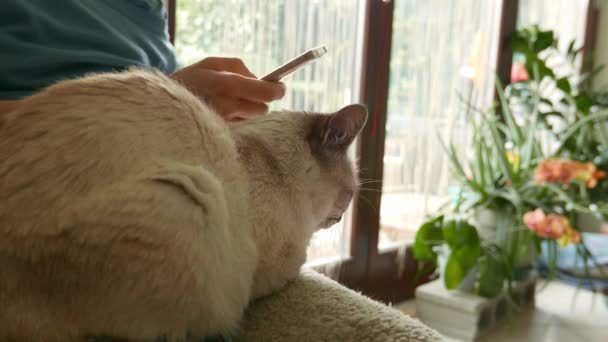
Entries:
{"x":567,"y":19}
{"x":266,"y":34}
{"x":442,"y":52}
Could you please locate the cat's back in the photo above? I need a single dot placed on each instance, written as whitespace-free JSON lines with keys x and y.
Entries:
{"x":114,"y":193}
{"x":83,"y":135}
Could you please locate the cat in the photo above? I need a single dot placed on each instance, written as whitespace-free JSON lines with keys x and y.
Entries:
{"x":130,"y":208}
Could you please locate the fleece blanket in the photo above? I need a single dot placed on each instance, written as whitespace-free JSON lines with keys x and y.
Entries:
{"x":316,"y":308}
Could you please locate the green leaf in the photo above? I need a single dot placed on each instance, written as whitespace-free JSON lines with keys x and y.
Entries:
{"x":564,"y":85}
{"x":583,"y":103}
{"x":544,"y":40}
{"x":454,"y":273}
{"x":585,"y":77}
{"x":514,"y":129}
{"x":546,"y":101}
{"x":465,"y":250}
{"x":459,"y":264}
{"x":500,"y":151}
{"x":492,"y":276}
{"x":458,"y":234}
{"x":457,"y":166}
{"x":573,"y":129}
{"x":535,"y":62}
{"x":570,"y":49}
{"x":537,"y":245}
{"x":519,"y":44}
{"x":478,"y":167}
{"x":468,"y":256}
{"x":427,"y":236}
{"x":552,"y":113}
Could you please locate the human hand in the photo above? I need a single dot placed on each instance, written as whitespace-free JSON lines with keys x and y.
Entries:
{"x":229,"y":87}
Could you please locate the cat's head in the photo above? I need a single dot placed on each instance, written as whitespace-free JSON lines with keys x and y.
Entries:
{"x":302,"y":158}
{"x":301,"y":179}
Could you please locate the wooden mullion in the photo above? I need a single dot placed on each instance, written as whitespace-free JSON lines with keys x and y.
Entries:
{"x":589,"y":43}
{"x":374,"y":94}
{"x":508,"y":26}
{"x":171,"y":8}
{"x":392,"y":275}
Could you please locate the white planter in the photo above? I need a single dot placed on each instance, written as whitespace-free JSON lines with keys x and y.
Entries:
{"x":485,"y":221}
{"x":464,"y":315}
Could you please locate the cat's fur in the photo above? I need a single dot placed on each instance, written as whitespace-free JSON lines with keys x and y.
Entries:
{"x":129,"y":208}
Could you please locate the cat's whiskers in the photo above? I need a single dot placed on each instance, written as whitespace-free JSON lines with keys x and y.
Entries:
{"x":368,"y":189}
{"x":368,"y":181}
{"x":368,"y":202}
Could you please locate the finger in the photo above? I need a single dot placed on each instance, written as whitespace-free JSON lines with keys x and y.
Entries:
{"x":231,"y":64}
{"x":230,"y":108}
{"x":250,"y":109}
{"x":237,"y":66}
{"x":250,"y":89}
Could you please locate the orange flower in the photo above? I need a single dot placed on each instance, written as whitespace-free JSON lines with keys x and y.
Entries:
{"x":588,"y":173}
{"x":571,"y":236}
{"x":556,"y":226}
{"x":564,"y":171}
{"x":552,"y":170}
{"x":552,"y":226}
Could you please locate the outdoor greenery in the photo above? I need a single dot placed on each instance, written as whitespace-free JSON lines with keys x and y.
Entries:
{"x":266,"y":34}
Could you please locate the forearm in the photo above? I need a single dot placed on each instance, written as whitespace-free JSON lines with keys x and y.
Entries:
{"x":7,"y":106}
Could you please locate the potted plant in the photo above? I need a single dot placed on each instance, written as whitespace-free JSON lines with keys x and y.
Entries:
{"x":534,"y":169}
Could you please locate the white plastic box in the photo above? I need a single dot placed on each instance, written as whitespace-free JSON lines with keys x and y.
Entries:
{"x":466,"y":316}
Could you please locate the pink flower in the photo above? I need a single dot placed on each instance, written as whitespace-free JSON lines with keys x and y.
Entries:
{"x":552,"y":226}
{"x":535,"y":220}
{"x":518,"y":73}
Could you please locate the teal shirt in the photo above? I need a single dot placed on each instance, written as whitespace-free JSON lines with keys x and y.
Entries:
{"x":44,"y":41}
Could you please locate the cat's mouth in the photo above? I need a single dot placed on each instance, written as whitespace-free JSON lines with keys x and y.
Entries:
{"x":330,"y":221}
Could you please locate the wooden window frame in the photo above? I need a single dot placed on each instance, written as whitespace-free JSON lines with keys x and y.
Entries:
{"x":376,"y":273}
{"x":171,"y":9}
{"x":380,"y":273}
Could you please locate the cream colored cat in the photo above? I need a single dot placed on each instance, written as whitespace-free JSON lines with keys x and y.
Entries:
{"x":128,"y":208}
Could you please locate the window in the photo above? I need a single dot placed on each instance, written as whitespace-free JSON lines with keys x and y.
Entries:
{"x":566,"y":17}
{"x":420,"y":60}
{"x":443,"y":53}
{"x":266,"y":34}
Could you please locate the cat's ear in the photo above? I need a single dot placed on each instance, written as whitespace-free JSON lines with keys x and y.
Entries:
{"x":337,"y":131}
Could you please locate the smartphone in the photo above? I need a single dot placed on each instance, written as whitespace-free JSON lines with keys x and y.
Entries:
{"x":295,"y":64}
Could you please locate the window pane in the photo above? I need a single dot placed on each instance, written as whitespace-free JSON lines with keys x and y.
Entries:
{"x":266,"y":34}
{"x":442,"y":52}
{"x":567,"y":19}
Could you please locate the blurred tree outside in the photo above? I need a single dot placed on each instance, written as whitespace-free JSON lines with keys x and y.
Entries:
{"x":265,"y":34}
